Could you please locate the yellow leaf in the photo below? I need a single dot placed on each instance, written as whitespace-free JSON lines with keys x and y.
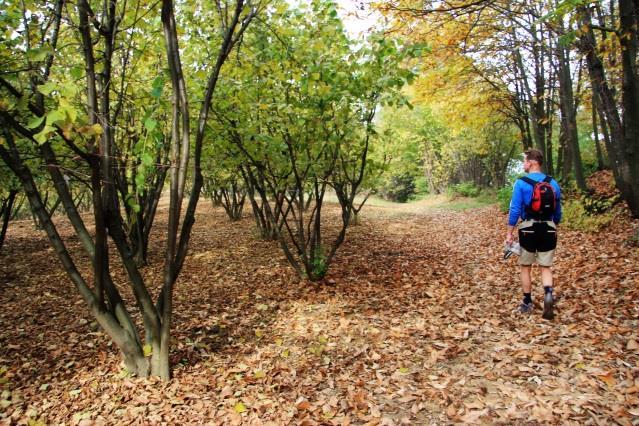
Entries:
{"x":285,"y":353}
{"x":148,"y":350}
{"x":97,"y":129}
{"x":239,"y":408}
{"x":259,"y":374}
{"x":403,"y":370}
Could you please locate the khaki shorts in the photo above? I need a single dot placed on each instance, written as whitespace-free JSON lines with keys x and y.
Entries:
{"x":543,"y":258}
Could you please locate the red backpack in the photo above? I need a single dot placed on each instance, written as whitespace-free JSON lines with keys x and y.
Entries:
{"x":544,"y":199}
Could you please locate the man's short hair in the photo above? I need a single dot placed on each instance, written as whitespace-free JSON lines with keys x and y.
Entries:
{"x":534,"y":155}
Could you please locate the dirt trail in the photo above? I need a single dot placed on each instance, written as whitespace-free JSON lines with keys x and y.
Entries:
{"x":415,"y":324}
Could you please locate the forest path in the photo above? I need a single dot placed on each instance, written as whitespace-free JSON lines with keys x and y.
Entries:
{"x":414,"y":324}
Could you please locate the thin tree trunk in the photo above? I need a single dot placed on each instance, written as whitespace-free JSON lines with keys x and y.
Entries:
{"x":7,"y":209}
{"x":569,"y":121}
{"x":595,"y":130}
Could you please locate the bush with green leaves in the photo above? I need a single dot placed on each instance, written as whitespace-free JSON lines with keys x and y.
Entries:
{"x":503,"y":198}
{"x":595,"y":206}
{"x":421,"y":185}
{"x":577,"y":217}
{"x":399,"y":188}
{"x":464,"y":189}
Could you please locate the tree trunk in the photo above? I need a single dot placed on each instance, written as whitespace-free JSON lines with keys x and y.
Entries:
{"x":5,"y":212}
{"x":572,"y":156}
{"x":595,"y":129}
{"x":629,"y":169}
{"x":621,"y":150}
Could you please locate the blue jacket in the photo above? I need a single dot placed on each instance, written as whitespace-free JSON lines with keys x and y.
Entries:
{"x":522,"y":197}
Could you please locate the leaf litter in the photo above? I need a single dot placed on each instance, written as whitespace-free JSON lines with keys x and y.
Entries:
{"x":415,"y":324}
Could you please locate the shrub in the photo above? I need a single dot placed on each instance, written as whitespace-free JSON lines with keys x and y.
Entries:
{"x":595,"y":206}
{"x":421,"y":185}
{"x":320,"y":267}
{"x":465,"y":189}
{"x":503,"y":198}
{"x":576,"y":217}
{"x":399,"y":188}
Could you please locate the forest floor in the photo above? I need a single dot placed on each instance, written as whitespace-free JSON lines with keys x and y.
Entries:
{"x":414,"y":324}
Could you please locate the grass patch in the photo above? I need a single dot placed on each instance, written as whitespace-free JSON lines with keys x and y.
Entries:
{"x":464,"y":203}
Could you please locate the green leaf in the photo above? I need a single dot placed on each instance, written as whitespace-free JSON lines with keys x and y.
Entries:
{"x":43,"y":136}
{"x":147,"y":159}
{"x":47,"y":88}
{"x":76,"y":72}
{"x":38,"y":54}
{"x":35,"y":122}
{"x":69,"y":109}
{"x":150,"y":124}
{"x":157,"y":85}
{"x":240,"y":408}
{"x":55,"y":115}
{"x":68,"y":90}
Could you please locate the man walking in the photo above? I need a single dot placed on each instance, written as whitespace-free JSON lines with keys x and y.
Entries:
{"x":536,"y":201}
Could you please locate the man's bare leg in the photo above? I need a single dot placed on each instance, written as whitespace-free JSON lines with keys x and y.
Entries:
{"x":526,"y":282}
{"x":526,"y":285}
{"x":546,"y":276}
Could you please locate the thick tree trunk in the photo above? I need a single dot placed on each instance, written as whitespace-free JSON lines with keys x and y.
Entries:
{"x":629,"y":170}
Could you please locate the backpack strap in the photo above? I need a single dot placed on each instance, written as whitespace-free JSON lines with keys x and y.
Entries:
{"x":547,"y":179}
{"x":528,"y":180}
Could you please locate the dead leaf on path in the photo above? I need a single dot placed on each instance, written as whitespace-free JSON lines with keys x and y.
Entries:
{"x":303,"y":405}
{"x":608,"y":379}
{"x":473,"y":415}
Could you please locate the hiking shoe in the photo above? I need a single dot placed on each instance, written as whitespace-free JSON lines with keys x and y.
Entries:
{"x":525,"y":308}
{"x":548,"y":307}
